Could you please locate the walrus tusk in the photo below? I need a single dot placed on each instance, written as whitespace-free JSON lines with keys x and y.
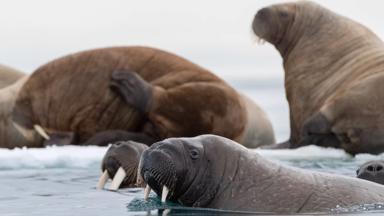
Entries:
{"x":102,"y":180}
{"x":147,"y":190}
{"x":164,"y":194}
{"x":26,"y":133}
{"x":166,"y":212}
{"x":118,"y":179}
{"x":41,"y":131}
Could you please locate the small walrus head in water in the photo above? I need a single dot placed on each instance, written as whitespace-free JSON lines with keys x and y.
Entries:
{"x":372,"y":171}
{"x":120,"y":163}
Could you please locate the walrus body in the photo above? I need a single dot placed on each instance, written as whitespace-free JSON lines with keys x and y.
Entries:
{"x":213,"y":172}
{"x":334,"y":70}
{"x":155,"y":95}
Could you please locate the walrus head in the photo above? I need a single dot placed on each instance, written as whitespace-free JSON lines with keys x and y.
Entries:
{"x":189,"y":170}
{"x":372,"y":171}
{"x":120,"y":163}
{"x":15,"y":130}
{"x":272,"y":23}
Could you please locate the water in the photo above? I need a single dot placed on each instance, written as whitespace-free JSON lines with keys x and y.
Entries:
{"x":61,"y":180}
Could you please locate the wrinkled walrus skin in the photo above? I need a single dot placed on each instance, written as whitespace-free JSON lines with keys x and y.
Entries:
{"x":213,"y":172}
{"x":334,"y":75}
{"x":72,"y":100}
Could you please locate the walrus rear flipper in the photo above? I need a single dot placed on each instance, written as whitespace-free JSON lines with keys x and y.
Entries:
{"x":317,"y":131}
{"x":112,"y":136}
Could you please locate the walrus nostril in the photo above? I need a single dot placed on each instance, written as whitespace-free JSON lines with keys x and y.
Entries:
{"x":379,"y":168}
{"x":263,"y":13}
{"x":370,"y":168}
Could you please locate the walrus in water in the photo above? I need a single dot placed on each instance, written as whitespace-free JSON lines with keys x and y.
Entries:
{"x":154,"y":95}
{"x":372,"y":171}
{"x":120,"y":162}
{"x":9,"y":76}
{"x":214,"y":172}
{"x":334,"y":70}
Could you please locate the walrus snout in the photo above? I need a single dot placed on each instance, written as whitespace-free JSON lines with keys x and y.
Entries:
{"x":158,"y":170}
{"x":260,"y":22}
{"x":372,"y":171}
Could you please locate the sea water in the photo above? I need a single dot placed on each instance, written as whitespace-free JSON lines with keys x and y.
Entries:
{"x":61,"y":180}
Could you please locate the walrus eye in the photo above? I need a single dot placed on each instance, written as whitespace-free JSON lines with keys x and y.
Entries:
{"x":194,"y":154}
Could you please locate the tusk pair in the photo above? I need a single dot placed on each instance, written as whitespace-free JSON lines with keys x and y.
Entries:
{"x":116,"y":181}
{"x":164,"y":193}
{"x":41,"y":131}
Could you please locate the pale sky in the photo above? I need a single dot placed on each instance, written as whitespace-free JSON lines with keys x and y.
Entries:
{"x":215,"y":34}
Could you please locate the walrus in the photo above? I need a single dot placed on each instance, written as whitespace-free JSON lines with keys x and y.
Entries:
{"x":9,"y":76}
{"x":120,"y":162}
{"x":334,"y":70}
{"x":142,"y":94}
{"x":210,"y":171}
{"x":372,"y":171}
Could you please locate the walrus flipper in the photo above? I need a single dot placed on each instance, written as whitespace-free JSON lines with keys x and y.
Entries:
{"x":132,"y":88}
{"x":111,"y":136}
{"x":317,"y":130}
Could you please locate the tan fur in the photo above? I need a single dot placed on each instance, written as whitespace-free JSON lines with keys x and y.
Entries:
{"x":72,"y":94}
{"x":9,"y":76}
{"x":332,"y":65}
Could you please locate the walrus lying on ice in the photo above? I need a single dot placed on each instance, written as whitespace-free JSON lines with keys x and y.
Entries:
{"x":334,"y":75}
{"x":154,"y":95}
{"x":215,"y":172}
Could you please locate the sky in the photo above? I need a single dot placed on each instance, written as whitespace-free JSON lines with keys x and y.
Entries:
{"x":215,"y":34}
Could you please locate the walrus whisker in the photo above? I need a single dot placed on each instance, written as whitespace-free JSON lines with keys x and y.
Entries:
{"x":147,"y":190}
{"x":41,"y":131}
{"x":164,"y":194}
{"x":118,"y":179}
{"x":258,"y":40}
{"x":102,"y":180}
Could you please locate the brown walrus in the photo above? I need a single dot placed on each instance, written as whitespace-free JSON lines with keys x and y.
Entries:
{"x":334,"y":73}
{"x":154,"y":95}
{"x":9,"y":76}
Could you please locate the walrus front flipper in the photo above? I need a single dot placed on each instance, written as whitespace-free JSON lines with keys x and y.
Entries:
{"x":111,"y":136}
{"x":317,"y":130}
{"x":60,"y":138}
{"x":132,"y":88}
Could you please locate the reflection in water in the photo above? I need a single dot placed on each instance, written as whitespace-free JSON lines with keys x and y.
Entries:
{"x":154,"y":206}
